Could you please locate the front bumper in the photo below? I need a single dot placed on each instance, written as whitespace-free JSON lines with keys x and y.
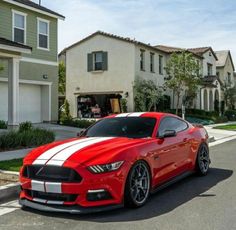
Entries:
{"x":74,"y":209}
{"x":73,"y":197}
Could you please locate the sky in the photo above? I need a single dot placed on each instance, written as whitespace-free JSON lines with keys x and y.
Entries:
{"x":180,"y":23}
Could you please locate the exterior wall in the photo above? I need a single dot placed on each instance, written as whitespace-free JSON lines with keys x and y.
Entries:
{"x":146,"y":74}
{"x":223,"y":71}
{"x":208,"y":59}
{"x":118,"y":78}
{"x":31,"y":31}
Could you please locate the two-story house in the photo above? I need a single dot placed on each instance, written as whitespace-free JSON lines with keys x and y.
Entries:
{"x":28,"y":54}
{"x":102,"y":68}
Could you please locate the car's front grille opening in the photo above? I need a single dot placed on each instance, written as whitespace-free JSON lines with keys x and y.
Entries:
{"x":51,"y":196}
{"x":51,"y":173}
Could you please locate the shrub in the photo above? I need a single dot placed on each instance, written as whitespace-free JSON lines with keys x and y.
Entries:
{"x":231,"y":115}
{"x":221,"y":119}
{"x":3,"y":124}
{"x":79,"y":123}
{"x":25,"y":126}
{"x":29,"y":138}
{"x":123,"y":104}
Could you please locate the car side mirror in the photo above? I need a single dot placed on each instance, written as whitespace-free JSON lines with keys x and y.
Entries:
{"x":81,"y":132}
{"x":168,"y":133}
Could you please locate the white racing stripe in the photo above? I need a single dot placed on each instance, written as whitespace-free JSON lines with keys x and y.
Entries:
{"x":136,"y":114}
{"x":130,"y":114}
{"x":43,"y":158}
{"x":122,"y":115}
{"x":63,"y":155}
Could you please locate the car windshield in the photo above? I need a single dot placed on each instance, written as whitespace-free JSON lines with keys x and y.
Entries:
{"x":131,"y":127}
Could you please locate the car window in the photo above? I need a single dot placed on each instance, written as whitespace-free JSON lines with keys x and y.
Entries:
{"x":171,"y":123}
{"x":132,"y":127}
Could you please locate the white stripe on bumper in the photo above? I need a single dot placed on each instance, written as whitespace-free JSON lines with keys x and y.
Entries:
{"x":53,"y":187}
{"x":37,"y":185}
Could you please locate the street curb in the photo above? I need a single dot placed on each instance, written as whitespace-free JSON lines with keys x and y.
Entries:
{"x":9,"y":191}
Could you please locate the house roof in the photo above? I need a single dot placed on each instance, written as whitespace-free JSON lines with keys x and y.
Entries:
{"x":125,"y":39}
{"x":5,"y":43}
{"x":222,"y":57}
{"x":201,"y":50}
{"x":171,"y":49}
{"x":34,"y":6}
{"x":208,"y":80}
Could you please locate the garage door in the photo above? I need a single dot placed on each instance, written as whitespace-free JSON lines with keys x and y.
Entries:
{"x":3,"y":101}
{"x":30,"y":103}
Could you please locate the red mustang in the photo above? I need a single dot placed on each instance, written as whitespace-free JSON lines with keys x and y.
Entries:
{"x":119,"y":160}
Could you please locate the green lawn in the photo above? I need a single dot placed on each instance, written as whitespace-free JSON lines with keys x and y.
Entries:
{"x":11,"y":165}
{"x":227,"y":127}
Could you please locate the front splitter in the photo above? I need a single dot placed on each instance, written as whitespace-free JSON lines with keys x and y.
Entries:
{"x":75,"y":209}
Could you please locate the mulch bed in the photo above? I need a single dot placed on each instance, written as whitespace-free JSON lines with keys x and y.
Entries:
{"x":6,"y":178}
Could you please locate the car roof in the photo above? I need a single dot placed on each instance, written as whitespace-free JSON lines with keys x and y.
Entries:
{"x":157,"y":115}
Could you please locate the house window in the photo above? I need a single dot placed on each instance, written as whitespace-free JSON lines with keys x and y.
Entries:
{"x":142,"y":60}
{"x":152,"y":62}
{"x":229,"y":78}
{"x":97,"y":61}
{"x":160,"y":64}
{"x":19,"y":27}
{"x":43,"y":34}
{"x":209,"y":69}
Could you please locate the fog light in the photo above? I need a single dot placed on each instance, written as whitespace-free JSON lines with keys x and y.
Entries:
{"x":96,"y":195}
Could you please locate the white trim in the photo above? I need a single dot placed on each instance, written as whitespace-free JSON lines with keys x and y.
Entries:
{"x":33,"y":9}
{"x":15,"y":49}
{"x":38,"y":61}
{"x":13,"y":24}
{"x":31,"y":82}
{"x":48,"y":33}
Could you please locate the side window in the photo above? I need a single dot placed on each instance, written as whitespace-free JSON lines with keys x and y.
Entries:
{"x":171,"y":123}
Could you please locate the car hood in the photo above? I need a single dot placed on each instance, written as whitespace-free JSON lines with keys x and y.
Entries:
{"x":82,"y":150}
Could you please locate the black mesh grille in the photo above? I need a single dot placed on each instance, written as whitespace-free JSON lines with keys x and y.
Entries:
{"x":51,"y":173}
{"x":52,"y":196}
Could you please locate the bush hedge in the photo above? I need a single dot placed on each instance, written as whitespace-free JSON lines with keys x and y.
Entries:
{"x":79,"y":123}
{"x":3,"y":124}
{"x":25,"y":139}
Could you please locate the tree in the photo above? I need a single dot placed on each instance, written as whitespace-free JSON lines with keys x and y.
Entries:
{"x":1,"y":68}
{"x":146,"y":95}
{"x":65,"y":112}
{"x":62,"y":78}
{"x":183,"y":75}
{"x":229,"y":96}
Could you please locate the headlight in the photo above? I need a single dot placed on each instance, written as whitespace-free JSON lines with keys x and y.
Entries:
{"x":105,"y":168}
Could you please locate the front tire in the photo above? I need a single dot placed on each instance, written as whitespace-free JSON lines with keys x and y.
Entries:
{"x":137,"y":185}
{"x":203,"y":160}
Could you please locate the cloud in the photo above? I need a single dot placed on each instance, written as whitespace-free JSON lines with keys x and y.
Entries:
{"x":180,"y":23}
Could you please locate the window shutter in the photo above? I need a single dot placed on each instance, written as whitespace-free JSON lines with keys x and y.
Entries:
{"x":90,"y":62}
{"x":104,"y":61}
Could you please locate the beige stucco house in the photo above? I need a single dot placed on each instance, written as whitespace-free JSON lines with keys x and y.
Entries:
{"x":104,"y":66}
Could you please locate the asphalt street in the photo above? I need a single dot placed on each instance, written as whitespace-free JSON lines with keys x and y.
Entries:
{"x":207,"y":203}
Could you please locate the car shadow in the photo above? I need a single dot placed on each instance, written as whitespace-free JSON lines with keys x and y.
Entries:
{"x":158,"y":204}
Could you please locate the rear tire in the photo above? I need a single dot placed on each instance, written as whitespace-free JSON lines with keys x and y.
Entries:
{"x":137,"y":185}
{"x":203,"y":160}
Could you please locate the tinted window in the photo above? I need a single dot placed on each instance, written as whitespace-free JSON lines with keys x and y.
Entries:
{"x":131,"y":127}
{"x":171,"y":123}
